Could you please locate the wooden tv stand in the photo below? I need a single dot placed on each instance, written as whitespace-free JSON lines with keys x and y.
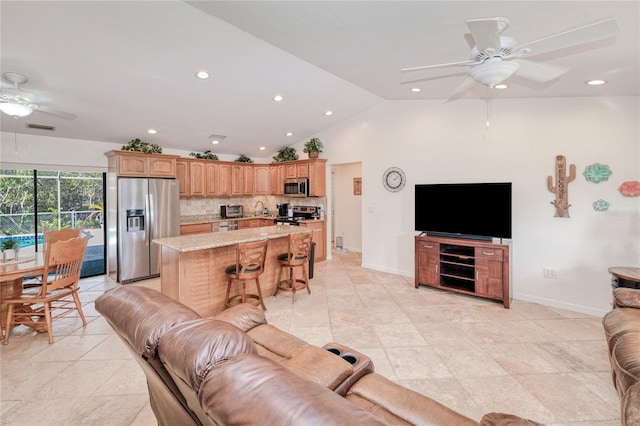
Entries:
{"x":478,"y":268}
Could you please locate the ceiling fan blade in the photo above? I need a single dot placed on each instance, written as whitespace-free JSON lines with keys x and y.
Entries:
{"x":462,"y":87}
{"x":451,"y":64}
{"x":486,"y":33}
{"x":57,"y":113}
{"x":573,"y":37}
{"x":539,"y":72}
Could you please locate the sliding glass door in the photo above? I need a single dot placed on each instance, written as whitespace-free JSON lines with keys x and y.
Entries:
{"x":34,"y":200}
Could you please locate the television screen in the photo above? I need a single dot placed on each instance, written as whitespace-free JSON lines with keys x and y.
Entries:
{"x":465,"y":210}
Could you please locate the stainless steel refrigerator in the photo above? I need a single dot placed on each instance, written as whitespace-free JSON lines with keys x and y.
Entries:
{"x":147,"y":209}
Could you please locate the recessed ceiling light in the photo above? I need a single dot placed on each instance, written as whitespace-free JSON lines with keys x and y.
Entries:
{"x":500,"y":86}
{"x":215,"y":142}
{"x":416,"y":89}
{"x":152,"y":131}
{"x":328,"y":113}
{"x":203,"y":75}
{"x":262,"y":148}
{"x":288,"y":134}
{"x":278,"y":98}
{"x":596,"y":82}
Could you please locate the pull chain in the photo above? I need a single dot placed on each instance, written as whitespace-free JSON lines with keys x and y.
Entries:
{"x":488,"y":105}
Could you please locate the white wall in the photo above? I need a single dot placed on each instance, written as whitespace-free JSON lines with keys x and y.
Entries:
{"x":436,"y":141}
{"x":439,"y":142}
{"x":348,"y":207}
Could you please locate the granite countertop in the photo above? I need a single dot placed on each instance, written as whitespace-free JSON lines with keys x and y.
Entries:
{"x":211,"y":240}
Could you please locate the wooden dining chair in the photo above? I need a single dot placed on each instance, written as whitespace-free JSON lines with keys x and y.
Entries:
{"x":296,"y":257}
{"x":50,"y":237}
{"x":250,"y":260}
{"x":56,"y":297}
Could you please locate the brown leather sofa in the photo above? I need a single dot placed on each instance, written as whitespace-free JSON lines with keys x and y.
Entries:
{"x":237,"y":369}
{"x":622,"y":330}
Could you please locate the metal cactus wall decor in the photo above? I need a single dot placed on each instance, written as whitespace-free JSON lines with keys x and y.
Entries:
{"x":561,"y":188}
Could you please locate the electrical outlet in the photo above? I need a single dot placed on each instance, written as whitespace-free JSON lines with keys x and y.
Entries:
{"x":550,"y":273}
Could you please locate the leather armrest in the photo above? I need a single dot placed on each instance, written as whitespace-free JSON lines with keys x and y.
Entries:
{"x":501,"y":419}
{"x":319,"y":366}
{"x":624,"y":297}
{"x":245,"y":316}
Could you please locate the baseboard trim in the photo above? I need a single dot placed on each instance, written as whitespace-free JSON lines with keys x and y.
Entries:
{"x":558,"y":304}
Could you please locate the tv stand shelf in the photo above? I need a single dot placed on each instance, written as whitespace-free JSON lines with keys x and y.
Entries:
{"x":479,"y":268}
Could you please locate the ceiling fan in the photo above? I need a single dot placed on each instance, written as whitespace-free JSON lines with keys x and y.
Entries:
{"x":18,"y":102}
{"x":495,"y":57}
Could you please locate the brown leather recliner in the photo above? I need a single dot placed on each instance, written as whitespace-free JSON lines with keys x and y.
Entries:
{"x":237,"y":369}
{"x":622,"y":330}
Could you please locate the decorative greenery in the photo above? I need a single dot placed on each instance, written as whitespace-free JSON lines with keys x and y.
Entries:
{"x":313,"y":145}
{"x":286,"y":154}
{"x":140,"y":146}
{"x":207,"y":155}
{"x":9,"y":244}
{"x":244,"y":159}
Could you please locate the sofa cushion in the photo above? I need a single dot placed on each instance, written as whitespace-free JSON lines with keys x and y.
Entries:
{"x":275,"y":344}
{"x":141,"y":315}
{"x":272,"y":395}
{"x":245,"y":316}
{"x":396,"y":404}
{"x":502,"y":419}
{"x":191,"y":350}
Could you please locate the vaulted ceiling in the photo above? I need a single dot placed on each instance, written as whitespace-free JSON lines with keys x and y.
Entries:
{"x":122,"y":67}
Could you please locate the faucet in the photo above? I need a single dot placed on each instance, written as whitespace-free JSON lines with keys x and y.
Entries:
{"x":259,"y":212}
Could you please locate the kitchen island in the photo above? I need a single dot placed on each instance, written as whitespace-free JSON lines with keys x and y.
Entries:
{"x":192,"y":266}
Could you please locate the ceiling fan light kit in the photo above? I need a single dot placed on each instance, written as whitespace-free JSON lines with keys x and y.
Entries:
{"x":493,"y":71}
{"x":15,"y":110}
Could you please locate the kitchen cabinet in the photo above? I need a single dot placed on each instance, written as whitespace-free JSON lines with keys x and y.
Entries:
{"x":478,"y":268}
{"x":237,"y":178}
{"x":247,"y":179}
{"x":138,"y":164}
{"x":261,"y":175}
{"x":183,"y":174}
{"x":195,"y":228}
{"x":276,"y":172}
{"x":197,"y":174}
{"x":212,"y":179}
{"x":302,"y":169}
{"x":319,"y":237}
{"x":317,"y":177}
{"x":224,"y":184}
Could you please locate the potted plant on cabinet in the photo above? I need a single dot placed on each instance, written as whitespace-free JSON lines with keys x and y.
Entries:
{"x":141,"y":146}
{"x":313,"y":147}
{"x":286,"y":154}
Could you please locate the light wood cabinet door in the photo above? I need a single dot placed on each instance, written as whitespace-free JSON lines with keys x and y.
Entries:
{"x":290,"y":170}
{"x":302,"y":170}
{"x":237,"y":178}
{"x":197,"y":172}
{"x":133,"y":165}
{"x":317,"y":178}
{"x":247,"y":179}
{"x":261,"y":177}
{"x":162,"y":166}
{"x":277,"y":179}
{"x":212,"y":178}
{"x":183,"y":174}
{"x":224,"y":186}
{"x":196,"y":228}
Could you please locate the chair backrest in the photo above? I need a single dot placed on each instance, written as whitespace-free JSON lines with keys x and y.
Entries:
{"x":63,"y":263}
{"x":299,"y":248}
{"x":250,"y":258}
{"x":59,"y":235}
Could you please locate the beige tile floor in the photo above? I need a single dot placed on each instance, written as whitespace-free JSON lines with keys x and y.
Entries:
{"x":473,"y":355}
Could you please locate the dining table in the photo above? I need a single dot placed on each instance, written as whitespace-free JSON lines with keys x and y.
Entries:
{"x":12,"y":274}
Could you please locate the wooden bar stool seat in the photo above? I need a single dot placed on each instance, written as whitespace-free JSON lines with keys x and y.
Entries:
{"x":296,"y":257}
{"x":250,"y":260}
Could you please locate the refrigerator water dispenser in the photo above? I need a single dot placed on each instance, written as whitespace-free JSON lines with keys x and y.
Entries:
{"x":135,"y":220}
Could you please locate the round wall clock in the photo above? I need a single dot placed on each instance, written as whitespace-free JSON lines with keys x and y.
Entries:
{"x":393,"y":179}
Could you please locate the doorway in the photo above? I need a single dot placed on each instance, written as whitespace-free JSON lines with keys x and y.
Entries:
{"x":346,"y":206}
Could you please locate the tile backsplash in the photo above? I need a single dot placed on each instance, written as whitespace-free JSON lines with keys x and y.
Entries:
{"x":196,"y":206}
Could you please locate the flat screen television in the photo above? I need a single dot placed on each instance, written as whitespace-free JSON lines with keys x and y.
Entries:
{"x":464,"y":210}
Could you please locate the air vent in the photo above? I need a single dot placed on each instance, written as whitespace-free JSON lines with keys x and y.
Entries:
{"x":41,"y":127}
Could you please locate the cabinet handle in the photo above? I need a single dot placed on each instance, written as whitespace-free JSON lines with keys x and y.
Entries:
{"x":488,"y":253}
{"x":426,"y":246}
{"x":477,"y":276}
{"x":437,"y":268}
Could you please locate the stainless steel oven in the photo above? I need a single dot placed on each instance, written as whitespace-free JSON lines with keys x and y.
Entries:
{"x":296,"y":187}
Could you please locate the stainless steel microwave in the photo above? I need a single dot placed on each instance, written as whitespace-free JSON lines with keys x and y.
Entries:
{"x":296,"y":187}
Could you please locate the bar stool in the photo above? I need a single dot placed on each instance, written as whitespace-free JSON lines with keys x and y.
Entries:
{"x":250,"y":259}
{"x":296,"y":257}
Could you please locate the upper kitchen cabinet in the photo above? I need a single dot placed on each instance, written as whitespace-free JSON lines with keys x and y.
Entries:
{"x":137,"y":164}
{"x":317,"y":177}
{"x":183,"y":174}
{"x":224,"y":184}
{"x":247,"y":179}
{"x":276,"y":174}
{"x":261,"y":179}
